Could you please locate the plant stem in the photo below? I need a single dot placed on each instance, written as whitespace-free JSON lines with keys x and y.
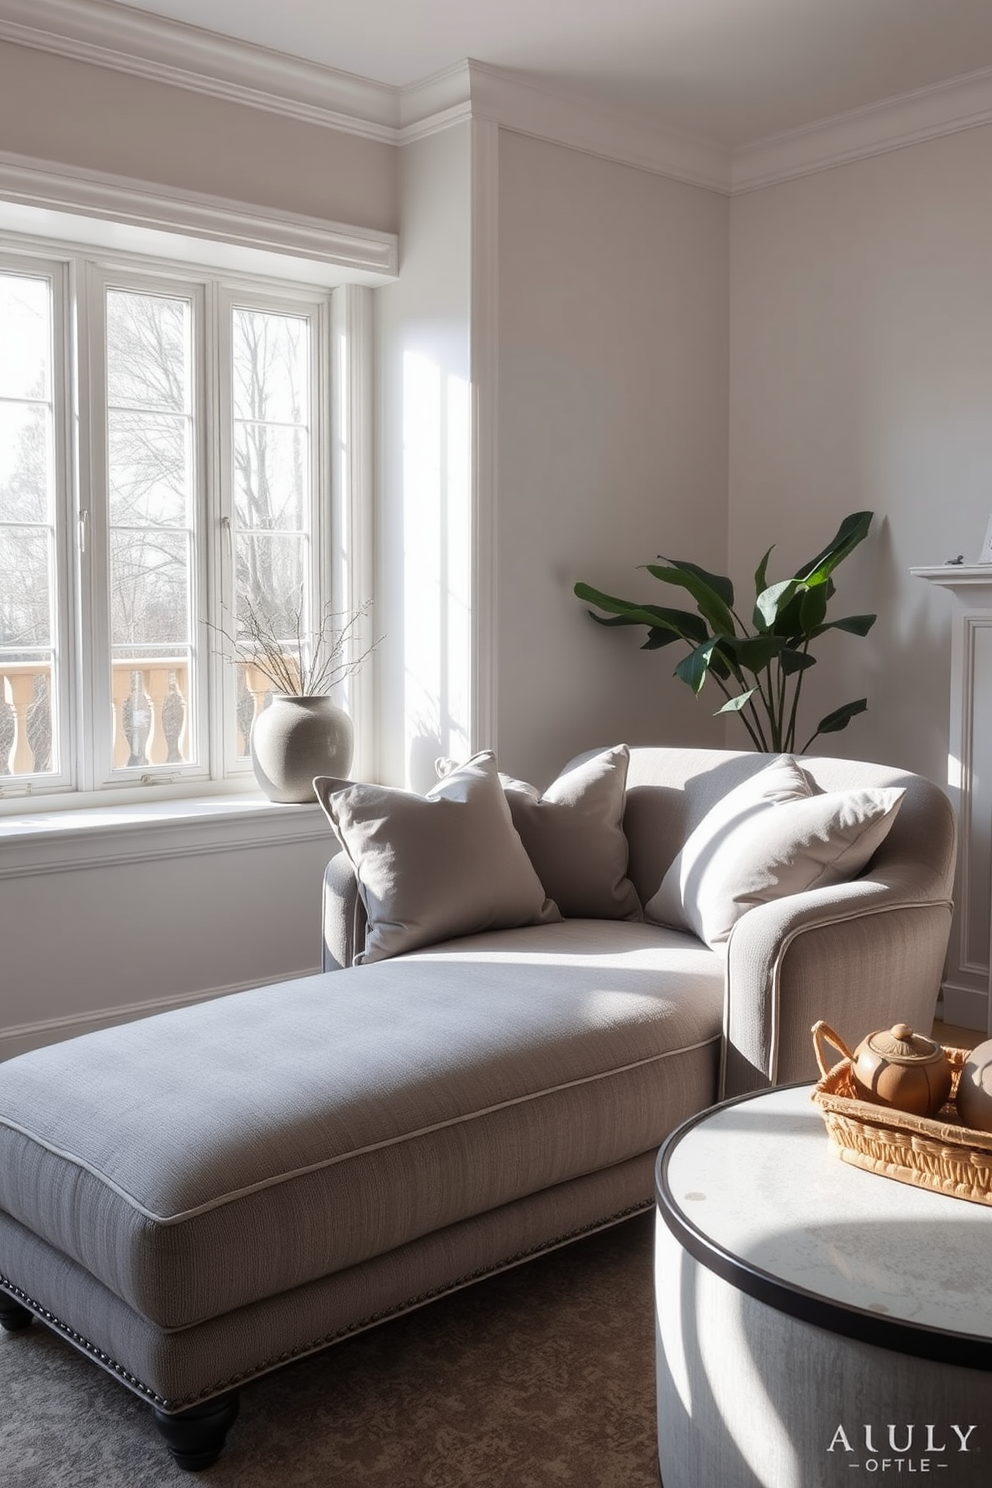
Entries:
{"x":756,"y":738}
{"x":795,"y":704}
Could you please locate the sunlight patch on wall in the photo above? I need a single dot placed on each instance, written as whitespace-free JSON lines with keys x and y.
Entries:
{"x":436,"y":566}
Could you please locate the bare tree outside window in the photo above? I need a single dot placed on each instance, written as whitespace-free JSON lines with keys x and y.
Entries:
{"x":272,"y":485}
{"x":27,"y":599}
{"x":152,"y":493}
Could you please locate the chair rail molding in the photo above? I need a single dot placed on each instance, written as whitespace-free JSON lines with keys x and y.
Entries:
{"x":967,"y":997}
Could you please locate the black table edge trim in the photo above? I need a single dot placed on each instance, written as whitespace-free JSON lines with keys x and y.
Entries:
{"x":921,"y":1340}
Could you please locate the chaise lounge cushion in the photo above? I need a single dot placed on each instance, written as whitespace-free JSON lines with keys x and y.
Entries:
{"x":302,"y":1128}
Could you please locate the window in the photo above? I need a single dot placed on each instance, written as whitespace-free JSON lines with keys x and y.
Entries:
{"x":164,"y":465}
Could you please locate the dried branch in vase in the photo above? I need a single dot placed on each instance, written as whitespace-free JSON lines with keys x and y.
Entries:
{"x":304,"y":662}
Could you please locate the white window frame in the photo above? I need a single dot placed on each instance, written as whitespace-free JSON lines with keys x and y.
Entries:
{"x":341,"y":541}
{"x":229,"y":297}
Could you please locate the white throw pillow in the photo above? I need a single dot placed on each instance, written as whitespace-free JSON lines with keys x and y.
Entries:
{"x":436,"y":866}
{"x":674,"y":902}
{"x":767,"y":848}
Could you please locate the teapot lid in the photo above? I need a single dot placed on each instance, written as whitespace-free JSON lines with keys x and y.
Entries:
{"x":900,"y":1045}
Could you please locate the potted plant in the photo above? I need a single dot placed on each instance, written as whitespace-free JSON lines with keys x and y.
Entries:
{"x":759,"y":668}
{"x":298,"y":732}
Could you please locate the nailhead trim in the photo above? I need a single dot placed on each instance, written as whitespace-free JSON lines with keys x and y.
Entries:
{"x":265,"y":1366}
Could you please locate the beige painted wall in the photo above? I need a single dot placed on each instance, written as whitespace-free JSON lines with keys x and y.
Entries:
{"x":57,"y":109}
{"x":861,"y":377}
{"x":612,"y":446}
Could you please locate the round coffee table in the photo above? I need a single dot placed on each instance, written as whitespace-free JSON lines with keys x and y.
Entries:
{"x":816,"y":1325}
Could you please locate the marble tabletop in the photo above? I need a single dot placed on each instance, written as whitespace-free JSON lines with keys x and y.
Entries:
{"x":758,"y":1187}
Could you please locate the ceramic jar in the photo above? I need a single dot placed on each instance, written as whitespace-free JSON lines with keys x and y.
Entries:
{"x":974,"y":1097}
{"x":296,"y":738}
{"x":897,"y":1067}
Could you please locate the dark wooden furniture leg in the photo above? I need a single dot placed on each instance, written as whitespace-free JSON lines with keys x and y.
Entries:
{"x":13,"y":1317}
{"x":196,"y":1437}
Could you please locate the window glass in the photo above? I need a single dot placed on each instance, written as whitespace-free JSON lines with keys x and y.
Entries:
{"x":272,"y":498}
{"x":29,"y":743}
{"x":152,"y":506}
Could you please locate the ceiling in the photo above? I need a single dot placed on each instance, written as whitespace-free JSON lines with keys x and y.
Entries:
{"x":728,"y":71}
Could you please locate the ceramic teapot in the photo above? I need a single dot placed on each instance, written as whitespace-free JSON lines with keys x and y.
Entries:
{"x":897,"y":1067}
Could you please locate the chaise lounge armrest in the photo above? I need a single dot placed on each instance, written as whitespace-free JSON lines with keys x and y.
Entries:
{"x":344,"y":919}
{"x":865,"y":950}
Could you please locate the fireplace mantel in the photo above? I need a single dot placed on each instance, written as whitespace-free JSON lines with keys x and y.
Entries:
{"x":967,"y":998}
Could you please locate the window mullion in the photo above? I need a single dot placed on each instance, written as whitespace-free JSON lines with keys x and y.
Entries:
{"x":93,"y":637}
{"x":220,"y":604}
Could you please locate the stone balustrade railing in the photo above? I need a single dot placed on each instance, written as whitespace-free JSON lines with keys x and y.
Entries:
{"x":150,"y":703}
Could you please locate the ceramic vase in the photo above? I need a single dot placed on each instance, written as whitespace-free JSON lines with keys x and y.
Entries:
{"x":296,"y":738}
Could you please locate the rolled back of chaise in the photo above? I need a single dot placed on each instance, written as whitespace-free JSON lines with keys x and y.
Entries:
{"x":670,"y":790}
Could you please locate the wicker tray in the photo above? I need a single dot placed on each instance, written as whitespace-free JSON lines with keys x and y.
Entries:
{"x":938,"y":1153}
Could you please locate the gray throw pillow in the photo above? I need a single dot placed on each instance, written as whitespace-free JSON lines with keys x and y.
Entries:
{"x":770,"y":837}
{"x":575,"y":839}
{"x":437,"y":866}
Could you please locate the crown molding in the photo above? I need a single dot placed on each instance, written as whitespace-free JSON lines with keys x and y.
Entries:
{"x":149,"y":46}
{"x":927,"y":113}
{"x":528,"y":109}
{"x":135,"y":42}
{"x":473,"y":89}
{"x":359,"y":251}
{"x":435,"y":103}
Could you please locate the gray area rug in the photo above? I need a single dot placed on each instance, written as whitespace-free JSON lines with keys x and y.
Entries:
{"x":542,"y":1377}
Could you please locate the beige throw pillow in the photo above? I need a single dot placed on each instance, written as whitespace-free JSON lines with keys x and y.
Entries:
{"x":751,"y":851}
{"x":574,"y":837}
{"x":436,"y":866}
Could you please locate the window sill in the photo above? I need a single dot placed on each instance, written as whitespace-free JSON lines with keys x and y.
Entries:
{"x":88,"y":837}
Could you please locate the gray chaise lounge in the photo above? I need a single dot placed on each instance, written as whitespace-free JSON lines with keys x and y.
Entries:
{"x":199,"y":1197}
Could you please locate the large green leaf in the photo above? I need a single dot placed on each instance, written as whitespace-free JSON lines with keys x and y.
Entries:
{"x":722,"y":663}
{"x":772,"y":602}
{"x":753,"y":653}
{"x":813,"y":608}
{"x":792,"y":661}
{"x":789,"y":621}
{"x":852,"y":531}
{"x":840,"y":717}
{"x":719,"y":583}
{"x":692,"y":669}
{"x":658,"y":636}
{"x":630,"y":611}
{"x":761,"y":573}
{"x":713,"y":594}
{"x":735,"y":704}
{"x":858,"y":625}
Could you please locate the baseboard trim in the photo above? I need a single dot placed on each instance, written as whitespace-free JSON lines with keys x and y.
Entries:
{"x":965,"y":1007}
{"x":20,"y":1037}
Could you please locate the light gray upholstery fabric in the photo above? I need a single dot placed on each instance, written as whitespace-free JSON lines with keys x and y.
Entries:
{"x":334,"y":1118}
{"x":180,"y":1368}
{"x":428,"y":867}
{"x":574,"y":837}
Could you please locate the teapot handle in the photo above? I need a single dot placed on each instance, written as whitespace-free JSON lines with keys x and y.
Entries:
{"x":823,"y":1033}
